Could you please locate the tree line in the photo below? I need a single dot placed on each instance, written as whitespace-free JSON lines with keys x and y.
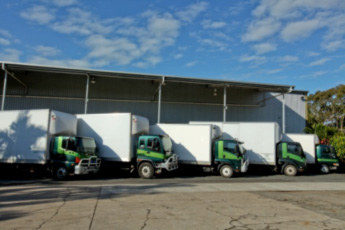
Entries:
{"x":326,"y":117}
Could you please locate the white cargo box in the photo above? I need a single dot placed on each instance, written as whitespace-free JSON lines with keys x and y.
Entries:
{"x":260,"y":139}
{"x":192,"y":143}
{"x":114,"y":133}
{"x":25,"y":134}
{"x":308,"y":143}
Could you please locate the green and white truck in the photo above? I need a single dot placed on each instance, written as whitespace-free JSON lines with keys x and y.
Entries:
{"x":199,"y":145}
{"x":319,"y":156}
{"x":124,"y":141}
{"x":46,"y":139}
{"x":264,"y":145}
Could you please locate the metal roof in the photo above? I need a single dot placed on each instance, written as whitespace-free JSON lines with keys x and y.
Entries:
{"x":15,"y":67}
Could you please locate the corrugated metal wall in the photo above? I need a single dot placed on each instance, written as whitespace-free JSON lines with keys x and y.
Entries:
{"x":181,"y":102}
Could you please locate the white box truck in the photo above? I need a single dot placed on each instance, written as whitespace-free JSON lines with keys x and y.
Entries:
{"x":198,"y":145}
{"x":46,"y":137}
{"x":262,"y":140}
{"x":124,"y":138}
{"x":321,"y":156}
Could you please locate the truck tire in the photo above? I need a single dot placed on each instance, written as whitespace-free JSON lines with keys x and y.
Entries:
{"x":324,"y":169}
{"x":290,"y":170}
{"x":146,"y":170}
{"x":60,"y":172}
{"x":226,"y":171}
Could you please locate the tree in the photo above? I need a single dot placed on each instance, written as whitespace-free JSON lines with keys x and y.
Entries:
{"x":328,"y":107}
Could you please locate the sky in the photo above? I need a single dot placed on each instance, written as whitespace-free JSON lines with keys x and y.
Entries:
{"x":295,"y":42}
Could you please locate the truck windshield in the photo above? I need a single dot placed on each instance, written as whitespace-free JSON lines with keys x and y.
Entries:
{"x":86,"y":145}
{"x":329,"y":151}
{"x":167,"y":144}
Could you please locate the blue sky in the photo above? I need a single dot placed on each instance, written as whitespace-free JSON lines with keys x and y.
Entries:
{"x":295,"y":42}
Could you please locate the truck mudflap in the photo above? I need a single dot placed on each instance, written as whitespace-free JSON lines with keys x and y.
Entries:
{"x":244,"y":165}
{"x":170,"y":164}
{"x":87,"y":166}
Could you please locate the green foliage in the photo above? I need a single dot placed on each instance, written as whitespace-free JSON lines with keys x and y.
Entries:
{"x":324,"y":132}
{"x":328,"y":107}
{"x":338,"y":142}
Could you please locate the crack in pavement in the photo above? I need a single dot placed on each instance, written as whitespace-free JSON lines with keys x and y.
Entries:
{"x":57,"y":210}
{"x":147,"y":218}
{"x":94,"y":209}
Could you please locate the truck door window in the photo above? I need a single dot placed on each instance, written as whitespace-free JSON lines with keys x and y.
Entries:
{"x":64,"y":144}
{"x":156,"y":145}
{"x":230,"y":147}
{"x":150,"y":143}
{"x":295,"y":149}
{"x":142,"y":143}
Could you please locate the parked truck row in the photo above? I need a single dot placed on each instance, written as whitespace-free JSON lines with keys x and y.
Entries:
{"x":76,"y":144}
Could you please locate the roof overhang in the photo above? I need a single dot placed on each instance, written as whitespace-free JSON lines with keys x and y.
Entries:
{"x":18,"y":67}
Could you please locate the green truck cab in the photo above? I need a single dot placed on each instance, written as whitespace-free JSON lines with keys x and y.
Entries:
{"x":291,"y":158}
{"x":154,"y":153}
{"x":75,"y":155}
{"x":326,"y":158}
{"x":229,"y":157}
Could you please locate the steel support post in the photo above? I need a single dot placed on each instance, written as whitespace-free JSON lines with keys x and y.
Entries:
{"x":4,"y":92}
{"x":225,"y":107}
{"x":87,"y":93}
{"x":283,"y":114}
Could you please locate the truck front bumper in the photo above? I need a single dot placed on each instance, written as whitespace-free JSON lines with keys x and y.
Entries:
{"x":170,"y":164}
{"x":88,"y":166}
{"x":244,"y":165}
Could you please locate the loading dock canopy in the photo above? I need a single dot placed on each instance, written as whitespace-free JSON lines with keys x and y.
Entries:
{"x":19,"y":67}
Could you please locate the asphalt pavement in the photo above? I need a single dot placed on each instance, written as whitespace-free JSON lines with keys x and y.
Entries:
{"x":196,"y":202}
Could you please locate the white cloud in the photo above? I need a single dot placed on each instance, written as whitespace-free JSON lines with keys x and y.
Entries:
{"x":273,"y":71}
{"x":214,"y":43}
{"x":288,"y":58}
{"x":117,"y":50}
{"x":4,"y":42}
{"x":313,"y":54}
{"x":81,"y":22}
{"x":261,"y":29}
{"x":5,"y":33}
{"x":47,"y":50}
{"x":314,"y":75}
{"x":38,"y":14}
{"x":150,"y":61}
{"x":293,"y":8}
{"x":208,"y":24}
{"x":61,"y":3}
{"x":334,"y":45}
{"x":320,"y":62}
{"x":256,"y":59}
{"x":300,"y":30}
{"x":192,"y":11}
{"x":298,"y":20}
{"x":60,"y":63}
{"x":178,"y":56}
{"x":264,"y":48}
{"x":342,"y":67}
{"x":12,"y":55}
{"x":191,"y":64}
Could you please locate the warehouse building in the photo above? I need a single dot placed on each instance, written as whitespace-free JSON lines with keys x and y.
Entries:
{"x":162,"y":99}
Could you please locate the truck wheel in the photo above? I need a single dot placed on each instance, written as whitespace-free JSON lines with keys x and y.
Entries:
{"x":146,"y":170}
{"x":290,"y":170}
{"x":226,"y":171}
{"x":60,"y":172}
{"x":324,"y":169}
